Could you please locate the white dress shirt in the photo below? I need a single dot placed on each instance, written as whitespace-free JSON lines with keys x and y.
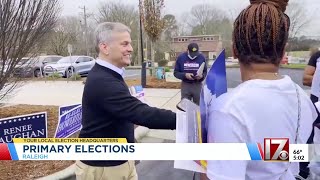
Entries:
{"x":110,"y":66}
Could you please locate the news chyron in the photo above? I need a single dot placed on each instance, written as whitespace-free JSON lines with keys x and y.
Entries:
{"x":276,"y":149}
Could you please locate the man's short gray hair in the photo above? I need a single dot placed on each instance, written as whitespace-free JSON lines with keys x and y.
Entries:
{"x":104,"y":31}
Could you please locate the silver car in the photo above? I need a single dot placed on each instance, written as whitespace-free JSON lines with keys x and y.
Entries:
{"x":34,"y":67}
{"x":31,"y":67}
{"x":69,"y":65}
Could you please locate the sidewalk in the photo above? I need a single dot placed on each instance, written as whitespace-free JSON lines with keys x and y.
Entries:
{"x":64,"y":93}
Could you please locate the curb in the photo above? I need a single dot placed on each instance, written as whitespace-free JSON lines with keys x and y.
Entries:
{"x":3,"y":105}
{"x":136,"y":67}
{"x":140,"y":132}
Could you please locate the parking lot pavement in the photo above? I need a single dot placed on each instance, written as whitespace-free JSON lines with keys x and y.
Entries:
{"x":160,"y":170}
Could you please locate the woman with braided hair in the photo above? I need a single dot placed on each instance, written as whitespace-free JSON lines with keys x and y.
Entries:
{"x":266,"y":104}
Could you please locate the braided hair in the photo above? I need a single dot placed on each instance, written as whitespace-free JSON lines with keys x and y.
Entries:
{"x":261,"y":32}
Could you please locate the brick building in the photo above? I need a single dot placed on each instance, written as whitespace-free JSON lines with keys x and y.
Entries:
{"x":209,"y":45}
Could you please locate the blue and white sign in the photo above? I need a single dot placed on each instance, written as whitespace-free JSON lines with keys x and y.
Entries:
{"x":65,"y":109}
{"x":25,"y":126}
{"x":136,"y":89}
{"x":69,"y":120}
{"x":138,"y":92}
{"x":215,"y":85}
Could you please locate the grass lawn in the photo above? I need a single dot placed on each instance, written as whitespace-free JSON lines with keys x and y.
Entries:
{"x":294,"y":66}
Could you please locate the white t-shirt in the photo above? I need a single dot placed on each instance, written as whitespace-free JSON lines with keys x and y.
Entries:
{"x":254,"y":110}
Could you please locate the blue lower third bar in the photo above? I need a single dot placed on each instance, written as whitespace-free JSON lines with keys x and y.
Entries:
{"x":254,"y":151}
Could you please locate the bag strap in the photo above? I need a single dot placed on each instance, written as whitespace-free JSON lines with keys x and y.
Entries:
{"x":298,"y":124}
{"x":299,"y":114}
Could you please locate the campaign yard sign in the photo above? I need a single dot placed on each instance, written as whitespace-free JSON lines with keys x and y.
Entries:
{"x":24,"y":126}
{"x":69,"y":120}
{"x":192,"y":124}
{"x":214,"y":86}
{"x":65,"y":109}
{"x":138,"y":92}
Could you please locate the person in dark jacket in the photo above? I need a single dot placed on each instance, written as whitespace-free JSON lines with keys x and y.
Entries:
{"x":311,"y":78}
{"x":109,"y":110}
{"x":186,"y":68}
{"x":310,"y":72}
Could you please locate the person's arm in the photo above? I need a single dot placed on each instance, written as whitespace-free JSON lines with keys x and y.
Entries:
{"x":310,"y":70}
{"x":222,"y":123}
{"x":178,"y":71}
{"x":120,"y":104}
{"x":308,"y":75}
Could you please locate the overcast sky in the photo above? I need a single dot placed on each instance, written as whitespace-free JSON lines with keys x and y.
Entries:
{"x":177,"y":7}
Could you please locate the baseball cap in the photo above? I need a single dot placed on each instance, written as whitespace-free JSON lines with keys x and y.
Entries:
{"x":193,"y":49}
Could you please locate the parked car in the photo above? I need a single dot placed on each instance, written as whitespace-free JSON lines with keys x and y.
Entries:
{"x":22,"y":69}
{"x":17,"y":69}
{"x":42,"y":61}
{"x":33,"y":67}
{"x":69,"y":65}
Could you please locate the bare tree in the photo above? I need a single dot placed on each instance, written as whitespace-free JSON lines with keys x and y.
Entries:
{"x":23,"y":26}
{"x":184,"y":28}
{"x":67,"y":31}
{"x":298,"y":18}
{"x":204,"y":16}
{"x":171,"y":27}
{"x":117,"y":12}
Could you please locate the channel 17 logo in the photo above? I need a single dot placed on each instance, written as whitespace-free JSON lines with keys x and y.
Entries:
{"x":276,"y":149}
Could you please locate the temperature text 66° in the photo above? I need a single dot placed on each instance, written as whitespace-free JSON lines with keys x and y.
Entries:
{"x":297,"y":151}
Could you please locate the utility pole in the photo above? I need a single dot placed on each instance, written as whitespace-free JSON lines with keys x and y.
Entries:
{"x":143,"y":64}
{"x":85,"y":29}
